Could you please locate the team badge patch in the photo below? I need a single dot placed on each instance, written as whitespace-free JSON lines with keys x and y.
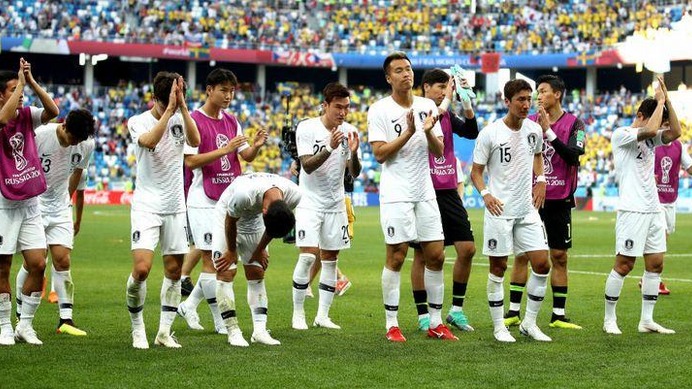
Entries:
{"x":216,"y":255}
{"x":492,"y":244}
{"x":177,"y":132}
{"x":390,"y":232}
{"x":629,"y":243}
{"x":207,"y":238}
{"x":76,"y":159}
{"x":532,"y":142}
{"x":135,"y":236}
{"x":301,"y":234}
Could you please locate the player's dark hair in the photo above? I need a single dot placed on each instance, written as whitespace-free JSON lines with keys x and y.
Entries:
{"x":648,"y":106}
{"x":221,"y":76}
{"x":279,"y":220}
{"x":335,"y":90}
{"x":162,"y":86}
{"x":435,"y":76}
{"x":80,"y":124}
{"x":394,"y":56}
{"x":5,"y":77}
{"x":555,"y":83}
{"x":515,"y":86}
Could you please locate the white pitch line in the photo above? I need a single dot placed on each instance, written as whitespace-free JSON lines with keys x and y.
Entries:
{"x":450,"y":260}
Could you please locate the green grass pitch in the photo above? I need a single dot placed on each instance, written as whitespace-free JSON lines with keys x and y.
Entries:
{"x":359,"y":355}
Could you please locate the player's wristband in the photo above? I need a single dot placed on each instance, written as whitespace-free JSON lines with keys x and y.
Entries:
{"x":329,"y":148}
{"x":445,"y":104}
{"x":485,"y":192}
{"x":540,"y":178}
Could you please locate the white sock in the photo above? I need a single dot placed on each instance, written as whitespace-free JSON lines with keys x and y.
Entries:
{"x":257,"y":300}
{"x":29,"y":306}
{"x":170,"y":299}
{"x":196,"y":296}
{"x":226,"y":301}
{"x":301,"y":278}
{"x":535,"y":292}
{"x":391,"y":289}
{"x":22,"y":275}
{"x":5,"y":313}
{"x":435,"y":288}
{"x":207,"y":283}
{"x":327,"y":287}
{"x":613,"y":287}
{"x":62,"y":281}
{"x":650,"y":284}
{"x":496,"y":297}
{"x":136,"y":294}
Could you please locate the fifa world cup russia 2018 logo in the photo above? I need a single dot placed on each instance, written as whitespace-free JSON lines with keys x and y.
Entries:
{"x":548,"y":153}
{"x":666,"y":164}
{"x":222,"y":141}
{"x":17,"y":144}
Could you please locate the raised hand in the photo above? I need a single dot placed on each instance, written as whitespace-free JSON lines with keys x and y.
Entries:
{"x":180,"y":94}
{"x":543,"y":118}
{"x":173,"y":97}
{"x":260,"y":138}
{"x":430,"y":121}
{"x":353,"y":142}
{"x":336,"y":137}
{"x":24,"y":67}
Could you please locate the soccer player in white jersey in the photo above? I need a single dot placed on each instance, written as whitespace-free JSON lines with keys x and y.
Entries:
{"x":327,"y":145}
{"x":401,"y":129}
{"x":254,"y":209}
{"x":158,"y":204}
{"x":20,"y":226}
{"x":65,"y":150}
{"x":640,"y":228}
{"x":511,"y":148}
{"x":214,"y":163}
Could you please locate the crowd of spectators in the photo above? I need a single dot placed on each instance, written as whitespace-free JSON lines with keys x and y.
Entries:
{"x":113,"y":164}
{"x":360,"y":26}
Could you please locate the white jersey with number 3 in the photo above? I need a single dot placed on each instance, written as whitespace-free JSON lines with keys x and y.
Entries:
{"x":406,"y":174}
{"x":323,"y":189}
{"x":508,"y":156}
{"x":634,"y":169}
{"x":58,"y":163}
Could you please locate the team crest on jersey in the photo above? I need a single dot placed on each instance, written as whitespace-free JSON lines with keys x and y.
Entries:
{"x":422,"y":115}
{"x":390,"y":231}
{"x":301,"y":234}
{"x":649,"y":143}
{"x":76,"y":159}
{"x":629,"y":243}
{"x":207,"y":238}
{"x":135,"y":236}
{"x":492,"y":244}
{"x":216,"y":255}
{"x":177,"y":132}
{"x":533,"y":140}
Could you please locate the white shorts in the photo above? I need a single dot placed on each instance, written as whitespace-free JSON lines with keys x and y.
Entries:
{"x":638,"y":233}
{"x":59,"y":228}
{"x":150,"y":229}
{"x":669,"y":215}
{"x":502,"y":237}
{"x":411,"y":221}
{"x":21,"y":229}
{"x":326,"y":230}
{"x":246,"y":243}
{"x":200,"y":227}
